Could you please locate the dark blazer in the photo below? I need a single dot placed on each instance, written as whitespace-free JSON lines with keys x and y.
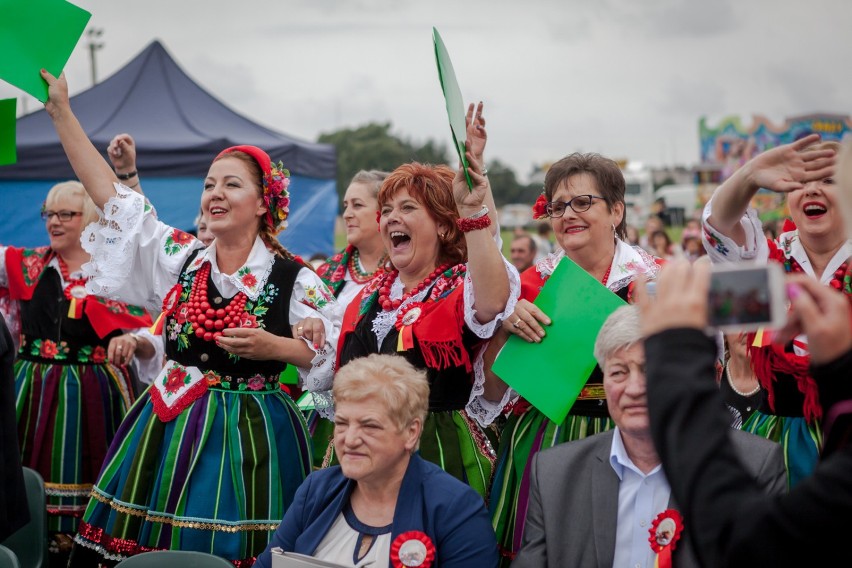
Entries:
{"x":573,"y":507}
{"x":13,"y":495}
{"x":733,"y":523}
{"x":430,"y":500}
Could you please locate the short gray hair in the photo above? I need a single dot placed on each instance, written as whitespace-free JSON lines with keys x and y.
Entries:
{"x":621,"y":329}
{"x":371,"y":178}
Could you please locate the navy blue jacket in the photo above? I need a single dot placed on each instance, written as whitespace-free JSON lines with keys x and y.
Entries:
{"x":430,"y":500}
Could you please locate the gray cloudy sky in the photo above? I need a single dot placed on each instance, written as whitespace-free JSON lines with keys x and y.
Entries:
{"x":627,"y":78}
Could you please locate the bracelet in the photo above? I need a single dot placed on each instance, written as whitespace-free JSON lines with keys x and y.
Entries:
{"x":481,"y":213}
{"x":126,"y":176}
{"x":135,"y":338}
{"x":467,"y":224}
{"x":134,"y":186}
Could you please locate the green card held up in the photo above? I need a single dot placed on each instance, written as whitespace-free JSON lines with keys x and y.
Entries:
{"x":453,"y":99}
{"x":35,"y":35}
{"x":551,"y":374}
{"x":8,"y":155}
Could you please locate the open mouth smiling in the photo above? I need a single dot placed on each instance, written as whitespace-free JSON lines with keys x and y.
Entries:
{"x":814,"y":209}
{"x":399,"y":238}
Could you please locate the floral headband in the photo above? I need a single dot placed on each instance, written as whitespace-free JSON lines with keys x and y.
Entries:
{"x":540,"y":207}
{"x":276,"y":180}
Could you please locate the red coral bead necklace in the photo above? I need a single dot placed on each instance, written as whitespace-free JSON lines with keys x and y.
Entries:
{"x":384,"y":290}
{"x":207,"y":321}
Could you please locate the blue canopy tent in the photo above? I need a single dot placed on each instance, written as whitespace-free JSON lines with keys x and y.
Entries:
{"x":178,"y":128}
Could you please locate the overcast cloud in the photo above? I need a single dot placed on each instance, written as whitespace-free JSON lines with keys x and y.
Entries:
{"x":627,"y":78}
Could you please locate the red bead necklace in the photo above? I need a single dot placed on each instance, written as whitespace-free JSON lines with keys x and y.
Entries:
{"x":384,"y":290}
{"x":208,"y":322}
{"x":606,"y":275}
{"x":71,"y":283}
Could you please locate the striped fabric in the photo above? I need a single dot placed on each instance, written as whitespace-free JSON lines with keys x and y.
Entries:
{"x":523,"y":436}
{"x":67,"y":416}
{"x":799,"y":440}
{"x":228,"y":469}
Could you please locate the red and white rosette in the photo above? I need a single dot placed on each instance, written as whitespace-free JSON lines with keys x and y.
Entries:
{"x":405,"y":318}
{"x":665,"y":532}
{"x":170,"y":303}
{"x":412,"y":549}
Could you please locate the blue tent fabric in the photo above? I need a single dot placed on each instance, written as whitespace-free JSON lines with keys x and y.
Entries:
{"x":178,"y":128}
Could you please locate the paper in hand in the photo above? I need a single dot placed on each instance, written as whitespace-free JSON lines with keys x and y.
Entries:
{"x":35,"y":35}
{"x":453,"y":99}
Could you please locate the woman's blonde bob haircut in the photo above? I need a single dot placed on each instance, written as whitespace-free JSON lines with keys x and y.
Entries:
{"x":72,"y":190}
{"x":391,"y":379}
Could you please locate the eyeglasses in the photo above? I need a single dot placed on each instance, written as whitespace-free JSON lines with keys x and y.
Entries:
{"x":63,"y":215}
{"x":579,"y":204}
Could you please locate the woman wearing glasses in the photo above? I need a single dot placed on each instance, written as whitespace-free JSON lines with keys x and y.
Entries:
{"x":584,"y":200}
{"x":72,"y":375}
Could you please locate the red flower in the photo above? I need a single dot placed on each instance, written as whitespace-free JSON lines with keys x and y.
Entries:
{"x":249,"y":280}
{"x":48,"y":349}
{"x":99,"y":354}
{"x":212,"y":378}
{"x":256,"y":382}
{"x":540,"y":207}
{"x":181,"y":238}
{"x":175,"y":379}
{"x":248,"y":320}
{"x":182,"y":313}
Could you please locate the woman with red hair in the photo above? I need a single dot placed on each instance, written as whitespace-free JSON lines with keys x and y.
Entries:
{"x":447,"y":290}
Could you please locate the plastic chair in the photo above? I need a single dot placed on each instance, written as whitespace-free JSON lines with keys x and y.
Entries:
{"x":181,"y":558}
{"x":29,"y":543}
{"x":8,"y":558}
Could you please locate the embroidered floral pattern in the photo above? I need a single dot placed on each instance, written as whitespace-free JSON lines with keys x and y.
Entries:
{"x":176,"y":241}
{"x":213,"y":378}
{"x":256,"y":383}
{"x":33,"y":261}
{"x":248,"y":279}
{"x":175,"y":379}
{"x":715,"y":241}
{"x":47,"y":349}
{"x":317,"y":297}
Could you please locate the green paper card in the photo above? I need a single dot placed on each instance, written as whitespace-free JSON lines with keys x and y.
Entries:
{"x":453,"y":99}
{"x":289,"y":376}
{"x":35,"y":35}
{"x":8,"y":155}
{"x":551,"y":374}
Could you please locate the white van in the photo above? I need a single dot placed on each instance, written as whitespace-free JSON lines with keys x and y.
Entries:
{"x":681,"y":197}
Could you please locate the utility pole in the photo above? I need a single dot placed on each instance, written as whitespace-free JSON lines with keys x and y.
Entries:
{"x":93,"y":35}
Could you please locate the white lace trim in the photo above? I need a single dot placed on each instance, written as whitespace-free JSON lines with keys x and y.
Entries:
{"x":386,"y":319}
{"x":259,"y":263}
{"x":110,"y":242}
{"x":487,"y":329}
{"x":479,"y":408}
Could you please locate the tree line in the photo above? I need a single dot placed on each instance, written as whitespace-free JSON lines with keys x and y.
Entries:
{"x":374,"y":147}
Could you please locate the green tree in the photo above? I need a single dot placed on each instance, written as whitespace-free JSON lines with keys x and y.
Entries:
{"x":373,"y":147}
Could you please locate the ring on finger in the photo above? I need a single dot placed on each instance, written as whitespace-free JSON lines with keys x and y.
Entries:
{"x":517,"y":322}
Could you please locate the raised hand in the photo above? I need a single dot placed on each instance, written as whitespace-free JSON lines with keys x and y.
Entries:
{"x":789,"y":167}
{"x":122,"y":153}
{"x":476,"y":134}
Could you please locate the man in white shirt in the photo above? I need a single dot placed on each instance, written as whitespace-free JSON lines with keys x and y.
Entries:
{"x":605,"y":500}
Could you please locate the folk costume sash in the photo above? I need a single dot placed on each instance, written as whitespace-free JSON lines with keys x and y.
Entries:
{"x":436,"y":328}
{"x":24,"y":268}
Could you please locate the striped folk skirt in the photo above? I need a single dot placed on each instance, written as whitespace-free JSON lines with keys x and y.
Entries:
{"x":800,"y":441}
{"x":67,"y":417}
{"x":523,"y":435}
{"x":217,"y":479}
